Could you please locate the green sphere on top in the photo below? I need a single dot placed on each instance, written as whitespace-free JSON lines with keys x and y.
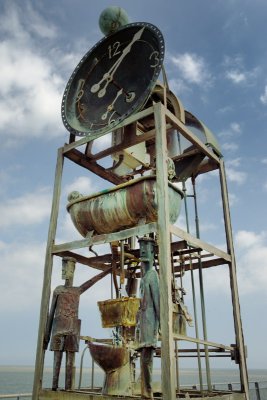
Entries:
{"x":111,"y":19}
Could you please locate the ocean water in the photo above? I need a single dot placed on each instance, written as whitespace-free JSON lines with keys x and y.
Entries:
{"x":19,"y":379}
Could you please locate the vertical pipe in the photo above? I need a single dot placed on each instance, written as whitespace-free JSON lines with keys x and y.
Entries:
{"x":92,"y":373}
{"x":257,"y":388}
{"x":165,"y":282}
{"x":192,"y":285}
{"x":202,"y":296}
{"x":177,"y":367}
{"x":44,"y":308}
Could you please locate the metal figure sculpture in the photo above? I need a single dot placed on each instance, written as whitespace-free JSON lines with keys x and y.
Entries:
{"x":63,"y":324}
{"x":149,"y":316}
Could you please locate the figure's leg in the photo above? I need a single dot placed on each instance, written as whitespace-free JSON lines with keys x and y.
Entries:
{"x":70,"y":358}
{"x":146,"y":372}
{"x":56,"y":368}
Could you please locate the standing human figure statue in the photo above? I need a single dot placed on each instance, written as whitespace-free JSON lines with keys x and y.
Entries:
{"x":149,"y":315}
{"x":63,"y":324}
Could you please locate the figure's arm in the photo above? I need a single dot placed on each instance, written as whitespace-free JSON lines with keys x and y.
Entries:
{"x":86,"y":285}
{"x":50,"y":319}
{"x":154,"y":289}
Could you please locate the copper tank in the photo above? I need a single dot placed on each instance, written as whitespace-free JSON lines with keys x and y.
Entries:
{"x":121,"y":207}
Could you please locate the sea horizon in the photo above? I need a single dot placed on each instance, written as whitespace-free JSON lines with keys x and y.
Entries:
{"x":19,"y":378}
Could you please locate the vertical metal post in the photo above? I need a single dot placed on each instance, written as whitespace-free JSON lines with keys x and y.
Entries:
{"x":233,"y":282}
{"x":202,"y":296}
{"x":194,"y":296}
{"x":44,"y":309}
{"x":167,"y":342}
{"x":177,"y":367}
{"x":92,"y":373}
{"x":258,"y":393}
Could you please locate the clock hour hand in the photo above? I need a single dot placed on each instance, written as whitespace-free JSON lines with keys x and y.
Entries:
{"x":111,"y":106}
{"x":108,"y":76}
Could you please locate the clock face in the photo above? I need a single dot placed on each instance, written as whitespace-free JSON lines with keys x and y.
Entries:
{"x":113,"y":80}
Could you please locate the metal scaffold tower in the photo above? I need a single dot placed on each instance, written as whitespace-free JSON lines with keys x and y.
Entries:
{"x":156,"y":149}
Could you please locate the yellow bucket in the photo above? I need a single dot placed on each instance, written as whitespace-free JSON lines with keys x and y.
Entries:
{"x":119,"y":312}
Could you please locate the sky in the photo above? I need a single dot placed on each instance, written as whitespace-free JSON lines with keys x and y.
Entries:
{"x":216,"y":63}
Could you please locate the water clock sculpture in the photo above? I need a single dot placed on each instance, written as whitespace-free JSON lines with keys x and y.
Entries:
{"x":156,"y":149}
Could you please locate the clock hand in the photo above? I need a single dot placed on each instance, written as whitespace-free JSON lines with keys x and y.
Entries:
{"x":111,"y":106}
{"x":108,"y":76}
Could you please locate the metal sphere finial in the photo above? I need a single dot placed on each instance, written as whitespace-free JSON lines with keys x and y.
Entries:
{"x":111,"y":19}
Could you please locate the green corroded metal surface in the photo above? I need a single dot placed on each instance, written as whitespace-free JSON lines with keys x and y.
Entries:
{"x":121,"y":207}
{"x":207,"y":136}
{"x":111,"y":19}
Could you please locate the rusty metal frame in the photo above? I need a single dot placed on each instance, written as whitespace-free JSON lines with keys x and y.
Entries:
{"x":164,"y":119}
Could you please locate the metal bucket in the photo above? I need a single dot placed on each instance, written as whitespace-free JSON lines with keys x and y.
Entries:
{"x":121,"y":207}
{"x":119,"y":312}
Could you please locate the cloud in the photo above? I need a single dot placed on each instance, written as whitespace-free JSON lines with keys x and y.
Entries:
{"x":233,"y":174}
{"x":20,"y":286}
{"x":263,"y":97}
{"x":192,"y":67}
{"x":82,"y":184}
{"x":264,"y":161}
{"x":236,"y":72}
{"x":230,"y":146}
{"x":234,"y":130}
{"x":251,"y":264}
{"x":251,"y":251}
{"x":30,"y":85}
{"x":28,"y":209}
{"x":236,"y":76}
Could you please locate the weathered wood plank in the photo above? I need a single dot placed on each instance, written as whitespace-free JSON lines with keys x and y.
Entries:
{"x":89,"y":138}
{"x":46,"y":291}
{"x":194,"y":242}
{"x":106,"y":238}
{"x":233,"y":281}
{"x":191,"y":136}
{"x":200,"y":341}
{"x":81,"y":159}
{"x":164,"y":257}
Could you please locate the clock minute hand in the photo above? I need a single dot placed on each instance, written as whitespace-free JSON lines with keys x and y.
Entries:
{"x":108,"y":76}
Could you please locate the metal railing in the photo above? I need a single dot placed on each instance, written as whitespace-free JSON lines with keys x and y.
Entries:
{"x":15,"y":396}
{"x":257,"y":390}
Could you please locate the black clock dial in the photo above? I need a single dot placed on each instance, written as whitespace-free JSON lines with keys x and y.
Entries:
{"x":113,"y":80}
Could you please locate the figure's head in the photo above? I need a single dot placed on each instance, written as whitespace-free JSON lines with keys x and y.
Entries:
{"x":147,"y":253}
{"x":68,"y":268}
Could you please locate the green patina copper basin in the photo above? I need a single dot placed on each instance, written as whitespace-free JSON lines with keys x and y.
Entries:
{"x":121,"y":207}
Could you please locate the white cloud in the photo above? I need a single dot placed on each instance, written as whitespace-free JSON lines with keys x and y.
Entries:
{"x":251,"y":251}
{"x":264,"y":161}
{"x":263,"y":97}
{"x":233,"y":174}
{"x":30,"y":86}
{"x":234,"y":130}
{"x":20,"y":286}
{"x":236,"y":76}
{"x":229,"y":146}
{"x":28,"y":209}
{"x":235,"y":126}
{"x":82,"y":184}
{"x":237,"y":73}
{"x":251,"y":264}
{"x":192,"y":67}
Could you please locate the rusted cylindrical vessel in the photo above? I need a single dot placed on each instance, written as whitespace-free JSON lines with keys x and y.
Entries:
{"x":121,"y":207}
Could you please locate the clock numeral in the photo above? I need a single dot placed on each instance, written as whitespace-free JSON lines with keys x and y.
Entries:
{"x":80,"y":91}
{"x":110,"y":118}
{"x":113,"y":50}
{"x":154,"y":56}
